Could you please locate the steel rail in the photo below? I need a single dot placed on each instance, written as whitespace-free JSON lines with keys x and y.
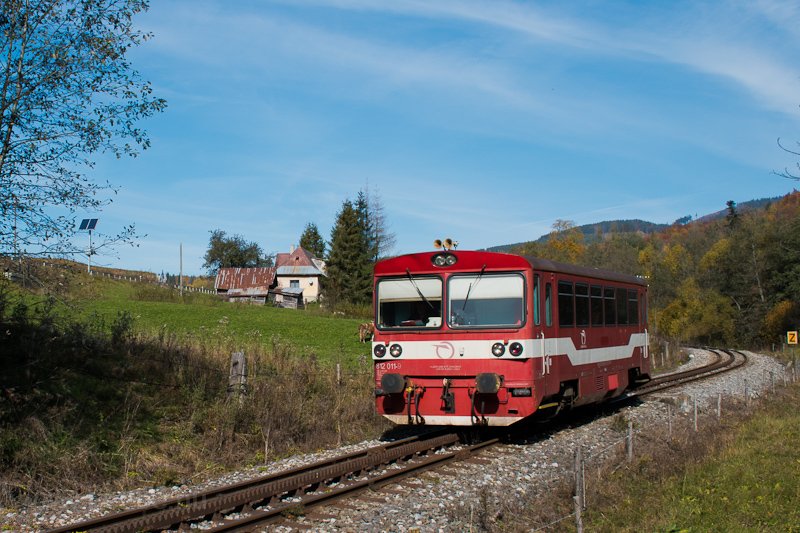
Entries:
{"x":264,"y":516}
{"x":170,"y":513}
{"x":719,"y":366}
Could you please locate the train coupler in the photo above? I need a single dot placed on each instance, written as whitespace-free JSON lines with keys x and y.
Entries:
{"x":413,"y":396}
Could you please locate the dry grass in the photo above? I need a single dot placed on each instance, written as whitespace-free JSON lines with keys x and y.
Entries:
{"x":737,"y":474}
{"x":92,"y":405}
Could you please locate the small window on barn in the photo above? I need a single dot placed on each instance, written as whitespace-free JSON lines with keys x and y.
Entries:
{"x":294,"y":283}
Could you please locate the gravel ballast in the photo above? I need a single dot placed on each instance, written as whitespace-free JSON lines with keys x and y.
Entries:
{"x":447,"y":499}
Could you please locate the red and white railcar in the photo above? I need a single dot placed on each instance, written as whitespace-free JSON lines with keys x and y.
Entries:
{"x":481,"y":338}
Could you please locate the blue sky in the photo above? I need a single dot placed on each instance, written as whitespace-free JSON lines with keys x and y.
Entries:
{"x":484,"y":121}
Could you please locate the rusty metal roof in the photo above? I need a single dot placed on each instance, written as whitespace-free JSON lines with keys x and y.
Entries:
{"x":299,"y":262}
{"x":298,"y":271}
{"x":299,"y":257}
{"x":245,"y":278}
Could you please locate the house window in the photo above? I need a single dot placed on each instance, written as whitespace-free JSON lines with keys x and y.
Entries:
{"x":294,"y":283}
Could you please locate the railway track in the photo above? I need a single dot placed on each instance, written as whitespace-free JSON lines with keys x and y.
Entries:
{"x":725,"y":361}
{"x":253,"y":503}
{"x":245,"y":505}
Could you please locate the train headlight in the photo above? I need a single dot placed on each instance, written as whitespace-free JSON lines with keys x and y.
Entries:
{"x":444,"y":260}
{"x":395,"y":350}
{"x":515,"y":349}
{"x":498,"y":349}
{"x":379,"y":350}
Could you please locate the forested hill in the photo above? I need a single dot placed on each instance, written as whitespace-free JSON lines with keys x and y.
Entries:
{"x":594,"y":232}
{"x":599,"y":230}
{"x":729,"y":278}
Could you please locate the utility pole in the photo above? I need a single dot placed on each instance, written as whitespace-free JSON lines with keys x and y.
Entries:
{"x":89,"y":261}
{"x":88,"y":224}
{"x":180,"y":278}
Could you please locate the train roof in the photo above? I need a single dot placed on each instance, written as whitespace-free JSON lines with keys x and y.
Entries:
{"x":590,"y":272}
{"x":469,"y":260}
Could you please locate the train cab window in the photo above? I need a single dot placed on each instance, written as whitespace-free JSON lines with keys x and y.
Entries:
{"x":548,"y":304}
{"x":643,"y":308}
{"x":608,"y":306}
{"x":486,"y":300}
{"x":622,"y":307}
{"x":633,"y":307}
{"x":581,"y":304}
{"x":566,"y":304}
{"x":597,"y":305}
{"x":409,"y":302}
{"x":536,"y":318}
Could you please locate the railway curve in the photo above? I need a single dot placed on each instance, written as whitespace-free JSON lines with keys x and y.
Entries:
{"x":445,"y":499}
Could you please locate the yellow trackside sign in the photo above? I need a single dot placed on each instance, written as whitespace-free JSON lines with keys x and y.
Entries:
{"x":791,"y":337}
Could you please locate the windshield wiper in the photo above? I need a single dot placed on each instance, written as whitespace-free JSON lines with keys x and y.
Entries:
{"x":414,"y":283}
{"x":466,"y":298}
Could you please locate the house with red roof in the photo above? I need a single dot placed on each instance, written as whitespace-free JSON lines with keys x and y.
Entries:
{"x":299,"y":271}
{"x":292,"y":282}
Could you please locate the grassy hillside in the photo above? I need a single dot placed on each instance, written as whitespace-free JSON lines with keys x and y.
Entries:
{"x":116,"y":384}
{"x":205,"y":318}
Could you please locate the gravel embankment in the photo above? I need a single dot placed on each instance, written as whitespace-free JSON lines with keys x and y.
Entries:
{"x":437,"y":501}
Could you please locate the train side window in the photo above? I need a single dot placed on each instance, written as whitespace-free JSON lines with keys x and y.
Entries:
{"x":609,"y":307}
{"x":633,"y":307}
{"x":536,"y":318}
{"x":597,"y":305}
{"x":548,"y":304}
{"x":622,"y":306}
{"x":581,"y":304}
{"x":643,"y":307}
{"x":566,"y":304}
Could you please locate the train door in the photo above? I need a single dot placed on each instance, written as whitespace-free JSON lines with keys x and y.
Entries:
{"x":547,"y":337}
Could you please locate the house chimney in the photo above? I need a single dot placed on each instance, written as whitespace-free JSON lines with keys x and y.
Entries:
{"x":291,"y":249}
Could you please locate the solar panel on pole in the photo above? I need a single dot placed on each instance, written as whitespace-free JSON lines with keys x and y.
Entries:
{"x":88,"y":224}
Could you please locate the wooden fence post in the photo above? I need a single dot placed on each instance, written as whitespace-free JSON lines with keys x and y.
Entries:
{"x":629,"y":442}
{"x":669,"y":420}
{"x":580,"y":487}
{"x":237,"y":378}
{"x":746,"y":393}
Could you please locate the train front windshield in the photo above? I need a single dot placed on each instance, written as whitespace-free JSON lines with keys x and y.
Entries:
{"x":409,"y":303}
{"x":477,"y":300}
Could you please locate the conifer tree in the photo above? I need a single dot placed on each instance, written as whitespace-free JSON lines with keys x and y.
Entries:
{"x":349,"y":262}
{"x":312,"y":241}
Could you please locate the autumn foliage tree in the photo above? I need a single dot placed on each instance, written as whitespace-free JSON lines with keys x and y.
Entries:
{"x":733,"y":279}
{"x":235,"y":251}
{"x":67,"y":93}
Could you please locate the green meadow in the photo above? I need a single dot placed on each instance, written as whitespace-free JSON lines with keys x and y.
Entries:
{"x":207,"y":319}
